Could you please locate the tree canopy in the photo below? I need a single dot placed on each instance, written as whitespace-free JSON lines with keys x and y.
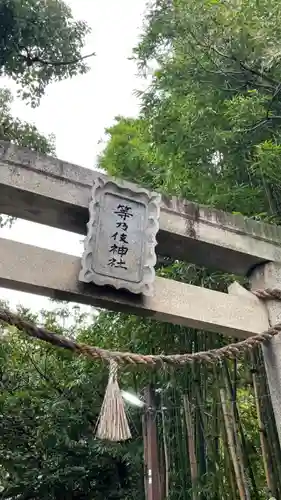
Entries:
{"x":209,"y":131}
{"x":40,"y":43}
{"x":211,"y":117}
{"x":49,"y":405}
{"x":19,"y":132}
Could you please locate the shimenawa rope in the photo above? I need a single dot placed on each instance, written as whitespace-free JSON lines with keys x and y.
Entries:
{"x":112,"y":424}
{"x":229,"y":351}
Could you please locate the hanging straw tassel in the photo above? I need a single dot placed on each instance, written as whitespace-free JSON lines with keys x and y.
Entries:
{"x":113,"y":424}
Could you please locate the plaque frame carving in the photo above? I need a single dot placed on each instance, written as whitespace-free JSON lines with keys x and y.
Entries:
{"x":152,"y":202}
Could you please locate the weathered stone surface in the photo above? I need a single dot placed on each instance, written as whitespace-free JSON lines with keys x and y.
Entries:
{"x":54,"y":274}
{"x":56,"y":193}
{"x":121,"y":240}
{"x":269,"y":276}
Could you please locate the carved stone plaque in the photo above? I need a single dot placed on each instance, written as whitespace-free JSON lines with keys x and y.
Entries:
{"x":120,"y":244}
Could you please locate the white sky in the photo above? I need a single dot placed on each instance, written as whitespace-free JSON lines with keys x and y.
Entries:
{"x":77,"y":111}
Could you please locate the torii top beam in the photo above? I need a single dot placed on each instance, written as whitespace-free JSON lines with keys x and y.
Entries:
{"x":56,"y":193}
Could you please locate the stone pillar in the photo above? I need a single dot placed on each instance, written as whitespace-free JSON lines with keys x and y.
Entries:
{"x":269,"y":276}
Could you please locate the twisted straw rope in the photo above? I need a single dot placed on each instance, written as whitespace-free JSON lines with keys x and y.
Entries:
{"x":230,"y":351}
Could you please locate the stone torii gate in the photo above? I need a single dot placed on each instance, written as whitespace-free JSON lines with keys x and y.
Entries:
{"x":46,"y":190}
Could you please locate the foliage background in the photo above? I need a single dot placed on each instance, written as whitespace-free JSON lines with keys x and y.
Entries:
{"x":209,"y":131}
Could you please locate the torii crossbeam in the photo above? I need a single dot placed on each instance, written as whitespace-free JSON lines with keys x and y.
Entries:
{"x":46,"y":190}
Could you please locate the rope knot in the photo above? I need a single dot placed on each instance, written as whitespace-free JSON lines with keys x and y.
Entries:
{"x":113,"y":370}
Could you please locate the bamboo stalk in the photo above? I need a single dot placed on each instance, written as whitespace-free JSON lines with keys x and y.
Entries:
{"x":181,"y":462}
{"x":269,"y":422}
{"x":215,"y":443}
{"x":262,"y":432}
{"x":166,"y":453}
{"x":268,"y":418}
{"x":153,"y":484}
{"x":145,"y":454}
{"x":200,"y":442}
{"x":191,"y":446}
{"x":234,"y":417}
{"x":231,"y":445}
{"x":229,"y":468}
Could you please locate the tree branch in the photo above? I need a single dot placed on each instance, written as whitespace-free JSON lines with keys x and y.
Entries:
{"x":30,"y":60}
{"x":256,"y":72}
{"x":45,"y":376}
{"x":243,"y":65}
{"x":60,"y":391}
{"x":260,"y":123}
{"x":277,"y":91}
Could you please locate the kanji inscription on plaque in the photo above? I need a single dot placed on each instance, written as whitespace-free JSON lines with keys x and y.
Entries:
{"x":120,"y":244}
